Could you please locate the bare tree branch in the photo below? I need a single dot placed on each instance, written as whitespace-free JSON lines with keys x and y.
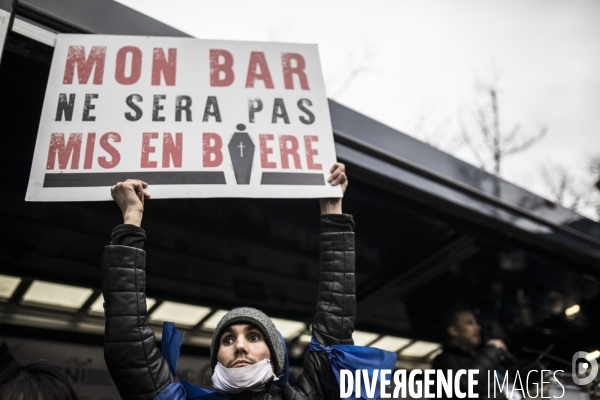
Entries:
{"x":563,"y":187}
{"x":467,"y":140}
{"x":494,"y":141}
{"x":526,"y":143}
{"x":512,"y":135}
{"x":485,"y":129}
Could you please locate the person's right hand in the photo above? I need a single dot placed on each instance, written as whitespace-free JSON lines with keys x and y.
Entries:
{"x":130,"y":195}
{"x":497,"y":343}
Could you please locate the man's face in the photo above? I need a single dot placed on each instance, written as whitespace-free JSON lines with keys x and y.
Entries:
{"x":466,"y":332}
{"x":242,"y":345}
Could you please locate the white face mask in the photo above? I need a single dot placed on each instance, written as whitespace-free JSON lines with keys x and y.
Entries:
{"x":235,"y":380}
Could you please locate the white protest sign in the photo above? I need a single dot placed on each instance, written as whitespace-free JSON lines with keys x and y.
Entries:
{"x":193,"y":118}
{"x":4,"y":20}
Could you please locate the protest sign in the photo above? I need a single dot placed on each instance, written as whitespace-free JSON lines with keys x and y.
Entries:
{"x":4,"y":22}
{"x":193,"y":118}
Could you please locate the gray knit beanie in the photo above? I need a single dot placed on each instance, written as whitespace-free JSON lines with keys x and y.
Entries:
{"x":261,"y":321}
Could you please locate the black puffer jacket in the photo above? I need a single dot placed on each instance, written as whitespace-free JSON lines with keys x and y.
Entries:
{"x":137,"y":365}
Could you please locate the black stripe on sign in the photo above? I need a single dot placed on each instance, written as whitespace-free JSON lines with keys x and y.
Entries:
{"x":292,"y":178}
{"x":153,"y":178}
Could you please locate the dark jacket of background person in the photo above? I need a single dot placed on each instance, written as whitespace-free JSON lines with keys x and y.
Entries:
{"x":485,"y":359}
{"x":141,"y":372}
{"x":36,"y":381}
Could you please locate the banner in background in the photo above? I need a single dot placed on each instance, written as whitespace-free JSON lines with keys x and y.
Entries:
{"x":85,"y":369}
{"x":193,"y":118}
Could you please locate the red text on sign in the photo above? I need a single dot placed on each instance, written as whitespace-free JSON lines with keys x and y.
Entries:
{"x":62,"y":151}
{"x":136,"y":65}
{"x":115,"y":156}
{"x":222,"y":74}
{"x":258,"y":61}
{"x":212,"y":154}
{"x":290,"y":70}
{"x":164,"y":67}
{"x":289,"y":146}
{"x":265,"y":150}
{"x":76,"y":58}
{"x":311,"y":153}
{"x":171,"y":150}
{"x":221,"y":68}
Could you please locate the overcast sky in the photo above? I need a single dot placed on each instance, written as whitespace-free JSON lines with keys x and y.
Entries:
{"x":419,"y":62}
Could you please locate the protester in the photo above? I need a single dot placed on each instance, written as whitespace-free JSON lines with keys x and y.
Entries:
{"x":248,"y":356}
{"x":35,"y":381}
{"x":462,"y":351}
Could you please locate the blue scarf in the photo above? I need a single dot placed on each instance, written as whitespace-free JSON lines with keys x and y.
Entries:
{"x":340,"y":356}
{"x":182,"y":390}
{"x":352,"y":358}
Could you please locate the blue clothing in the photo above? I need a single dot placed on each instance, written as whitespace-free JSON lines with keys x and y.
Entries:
{"x":354,"y":358}
{"x":183,"y":390}
{"x":340,"y":356}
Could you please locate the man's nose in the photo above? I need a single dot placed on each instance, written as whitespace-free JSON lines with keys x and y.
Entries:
{"x":241,"y":345}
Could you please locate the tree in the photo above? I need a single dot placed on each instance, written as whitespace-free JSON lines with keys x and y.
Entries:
{"x":594,"y":167}
{"x":491,"y":143}
{"x":580,"y":195}
{"x":563,"y":186}
{"x":594,"y":197}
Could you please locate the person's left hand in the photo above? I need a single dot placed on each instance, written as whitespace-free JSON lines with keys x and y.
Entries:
{"x":337,"y":177}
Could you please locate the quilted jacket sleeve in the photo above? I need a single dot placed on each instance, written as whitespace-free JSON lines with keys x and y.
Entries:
{"x":336,"y":302}
{"x":336,"y":308}
{"x":135,"y":363}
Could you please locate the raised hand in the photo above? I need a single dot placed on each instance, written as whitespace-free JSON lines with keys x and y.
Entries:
{"x":337,"y":177}
{"x":129,"y":196}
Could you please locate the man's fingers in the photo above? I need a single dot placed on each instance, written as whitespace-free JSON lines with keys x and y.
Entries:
{"x":145,"y":193}
{"x":137,"y":184}
{"x":142,"y":194}
{"x":341,"y":168}
{"x":340,"y":178}
{"x":139,"y":187}
{"x":335,"y":166}
{"x":336,"y":171}
{"x":123,"y":190}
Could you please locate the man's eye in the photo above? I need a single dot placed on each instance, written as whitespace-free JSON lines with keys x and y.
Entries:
{"x":228,"y":340}
{"x":254,"y":337}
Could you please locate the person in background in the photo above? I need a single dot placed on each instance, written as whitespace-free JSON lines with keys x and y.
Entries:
{"x":462,"y":348}
{"x":36,"y":381}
